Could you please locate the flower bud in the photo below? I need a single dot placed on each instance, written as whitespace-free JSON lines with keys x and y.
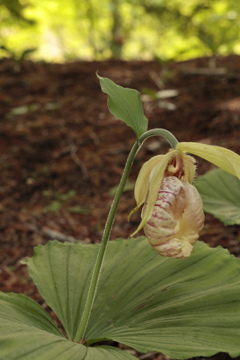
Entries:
{"x":176,"y":219}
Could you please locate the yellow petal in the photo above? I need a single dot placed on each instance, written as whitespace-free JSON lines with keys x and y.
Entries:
{"x":155,"y":177}
{"x":217,"y":155}
{"x":142,"y":182}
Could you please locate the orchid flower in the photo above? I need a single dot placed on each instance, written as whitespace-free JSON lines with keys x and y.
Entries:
{"x":172,"y":215}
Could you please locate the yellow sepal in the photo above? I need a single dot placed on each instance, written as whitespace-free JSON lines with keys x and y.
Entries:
{"x":217,"y":155}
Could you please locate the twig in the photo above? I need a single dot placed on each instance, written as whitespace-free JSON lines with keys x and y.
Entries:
{"x":78,"y":162}
{"x":53,"y":234}
{"x":94,"y":137}
{"x":156,"y":79}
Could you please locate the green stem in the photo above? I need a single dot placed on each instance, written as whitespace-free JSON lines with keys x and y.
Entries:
{"x":160,"y":132}
{"x":102,"y":250}
{"x":108,"y":227}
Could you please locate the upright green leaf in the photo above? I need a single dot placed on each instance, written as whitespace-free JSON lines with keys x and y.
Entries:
{"x":28,"y":333}
{"x":125,"y":104}
{"x":181,"y":307}
{"x":220,"y":192}
{"x":62,"y":274}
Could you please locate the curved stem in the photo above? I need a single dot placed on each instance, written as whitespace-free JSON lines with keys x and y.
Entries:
{"x":160,"y":132}
{"x":108,"y":227}
{"x":102,"y":250}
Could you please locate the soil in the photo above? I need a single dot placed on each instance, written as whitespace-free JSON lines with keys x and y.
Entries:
{"x":62,"y":152}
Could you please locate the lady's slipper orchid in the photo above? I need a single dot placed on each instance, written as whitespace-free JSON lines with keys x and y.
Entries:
{"x":172,"y":215}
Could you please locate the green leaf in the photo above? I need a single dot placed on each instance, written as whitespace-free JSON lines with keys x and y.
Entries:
{"x":181,"y":307}
{"x":125,"y":104}
{"x":220,"y":192}
{"x":27,"y":332}
{"x":62,"y":275}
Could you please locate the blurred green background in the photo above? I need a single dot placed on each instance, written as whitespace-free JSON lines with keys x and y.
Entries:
{"x":66,"y":30}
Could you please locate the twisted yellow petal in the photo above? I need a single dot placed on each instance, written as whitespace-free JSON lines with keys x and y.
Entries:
{"x":142,"y":182}
{"x":148,"y":182}
{"x":217,"y":155}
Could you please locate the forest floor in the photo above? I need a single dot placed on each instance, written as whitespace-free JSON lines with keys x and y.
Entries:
{"x":62,"y":153}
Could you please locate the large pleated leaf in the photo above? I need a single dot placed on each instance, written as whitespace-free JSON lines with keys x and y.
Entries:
{"x":28,"y":333}
{"x":181,"y":307}
{"x":62,"y":273}
{"x":125,"y":104}
{"x":220,"y":192}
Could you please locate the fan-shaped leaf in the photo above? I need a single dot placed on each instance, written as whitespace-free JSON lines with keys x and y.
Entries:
{"x":125,"y":104}
{"x":220,"y":192}
{"x":27,"y":332}
{"x":181,"y":307}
